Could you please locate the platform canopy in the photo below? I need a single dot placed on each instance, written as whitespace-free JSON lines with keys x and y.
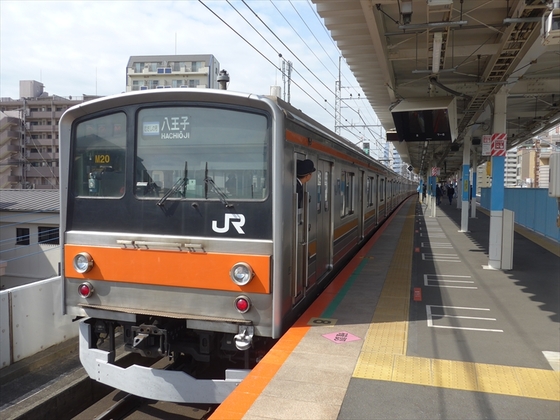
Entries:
{"x":409,"y":50}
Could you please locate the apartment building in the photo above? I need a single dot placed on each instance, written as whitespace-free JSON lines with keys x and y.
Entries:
{"x":526,"y":166}
{"x":510,"y":169}
{"x":29,"y":137}
{"x":172,"y":71}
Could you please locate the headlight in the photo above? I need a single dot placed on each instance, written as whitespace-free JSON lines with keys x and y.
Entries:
{"x":241,"y":273}
{"x":83,"y":262}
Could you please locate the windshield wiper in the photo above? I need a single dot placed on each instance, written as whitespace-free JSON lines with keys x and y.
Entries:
{"x":218,"y":191}
{"x":179,"y":184}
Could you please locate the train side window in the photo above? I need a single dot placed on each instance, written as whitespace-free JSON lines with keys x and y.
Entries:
{"x":98,"y":161}
{"x":382,"y":189}
{"x":319,"y":187}
{"x":368,"y":191}
{"x":326,"y":189}
{"x":347,"y":193}
{"x":350,"y":192}
{"x":342,"y":194}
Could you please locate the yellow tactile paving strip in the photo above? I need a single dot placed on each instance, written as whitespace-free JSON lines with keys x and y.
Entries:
{"x":383,"y":356}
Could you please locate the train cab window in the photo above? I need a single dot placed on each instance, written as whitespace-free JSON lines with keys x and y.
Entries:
{"x":202,"y":153}
{"x":98,"y":161}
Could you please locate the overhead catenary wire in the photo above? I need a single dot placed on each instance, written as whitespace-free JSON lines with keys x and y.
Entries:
{"x":266,"y":58}
{"x":295,"y":55}
{"x":327,"y":104}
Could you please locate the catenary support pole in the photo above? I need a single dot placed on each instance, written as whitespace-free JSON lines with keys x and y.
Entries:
{"x":465,"y":184}
{"x":497,"y":188}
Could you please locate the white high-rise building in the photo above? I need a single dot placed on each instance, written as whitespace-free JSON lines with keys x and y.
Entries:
{"x":172,"y":71}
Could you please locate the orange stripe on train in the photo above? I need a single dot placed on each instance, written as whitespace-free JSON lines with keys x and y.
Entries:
{"x":169,"y":268}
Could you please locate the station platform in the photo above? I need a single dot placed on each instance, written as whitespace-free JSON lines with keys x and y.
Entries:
{"x":417,"y":327}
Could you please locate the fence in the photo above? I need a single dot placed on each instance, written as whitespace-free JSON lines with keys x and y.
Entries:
{"x":533,"y":209}
{"x":31,"y":320}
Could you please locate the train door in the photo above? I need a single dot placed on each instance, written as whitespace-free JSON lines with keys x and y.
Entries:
{"x":323,"y":244}
{"x":300,"y":245}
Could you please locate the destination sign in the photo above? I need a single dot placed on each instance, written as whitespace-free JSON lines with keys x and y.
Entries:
{"x":167,"y":127}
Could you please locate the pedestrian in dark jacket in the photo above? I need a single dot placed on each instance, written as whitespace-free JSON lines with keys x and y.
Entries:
{"x":450,"y":193}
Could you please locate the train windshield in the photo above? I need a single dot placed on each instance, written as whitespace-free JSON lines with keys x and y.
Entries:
{"x":99,"y":157}
{"x":201,"y":153}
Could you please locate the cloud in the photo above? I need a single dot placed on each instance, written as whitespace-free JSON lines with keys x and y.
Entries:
{"x":82,"y":47}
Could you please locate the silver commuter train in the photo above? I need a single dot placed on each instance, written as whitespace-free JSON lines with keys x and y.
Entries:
{"x":181,"y":228}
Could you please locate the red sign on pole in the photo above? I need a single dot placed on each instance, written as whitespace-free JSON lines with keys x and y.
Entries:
{"x":499,"y":144}
{"x":435,"y":171}
{"x":486,"y":145}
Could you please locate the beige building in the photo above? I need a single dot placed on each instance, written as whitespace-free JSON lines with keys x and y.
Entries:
{"x":29,"y":137}
{"x":172,"y":71}
{"x":526,"y":166}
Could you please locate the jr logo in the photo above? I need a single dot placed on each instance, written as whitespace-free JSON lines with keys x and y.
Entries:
{"x":237,"y":220}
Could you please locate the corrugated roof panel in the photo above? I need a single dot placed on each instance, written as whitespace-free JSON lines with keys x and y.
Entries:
{"x":30,"y":200}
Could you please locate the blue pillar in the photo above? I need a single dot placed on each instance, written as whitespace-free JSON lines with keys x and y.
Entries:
{"x":473,"y":198}
{"x":496,"y":212}
{"x":465,"y":183}
{"x":497,"y":190}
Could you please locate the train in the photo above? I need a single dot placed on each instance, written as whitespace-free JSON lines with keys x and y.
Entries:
{"x":181,"y":232}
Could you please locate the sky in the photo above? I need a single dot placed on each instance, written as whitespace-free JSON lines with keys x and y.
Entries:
{"x":82,"y":47}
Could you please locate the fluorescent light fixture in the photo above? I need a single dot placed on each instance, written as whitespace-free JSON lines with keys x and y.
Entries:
{"x":439,"y":2}
{"x":436,"y":56}
{"x":444,"y":24}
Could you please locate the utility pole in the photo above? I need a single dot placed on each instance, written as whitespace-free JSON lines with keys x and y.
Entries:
{"x":286,"y":78}
{"x":338,"y":109}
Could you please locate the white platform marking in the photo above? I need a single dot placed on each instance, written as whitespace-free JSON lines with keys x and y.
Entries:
{"x":430,"y":318}
{"x":441,"y":257}
{"x":442,"y":245}
{"x":448,"y":280}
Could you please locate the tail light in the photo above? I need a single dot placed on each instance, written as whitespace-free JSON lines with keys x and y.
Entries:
{"x":242,"y":304}
{"x":85,"y":289}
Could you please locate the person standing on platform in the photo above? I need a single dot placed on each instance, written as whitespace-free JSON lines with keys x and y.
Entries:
{"x":450,"y":193}
{"x":438,"y":194}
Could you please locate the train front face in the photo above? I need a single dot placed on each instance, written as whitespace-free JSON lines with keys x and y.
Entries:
{"x":167,"y":220}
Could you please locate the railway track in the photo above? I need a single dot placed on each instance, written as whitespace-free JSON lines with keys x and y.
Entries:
{"x":58,"y":388}
{"x":120,"y":406}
